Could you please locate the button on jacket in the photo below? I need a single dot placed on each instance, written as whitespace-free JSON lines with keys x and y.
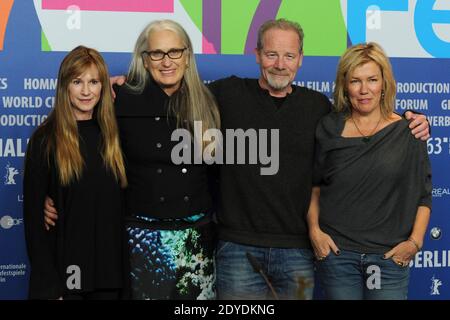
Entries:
{"x":157,"y":187}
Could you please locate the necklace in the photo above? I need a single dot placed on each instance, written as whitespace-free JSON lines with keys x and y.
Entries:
{"x":366,"y":138}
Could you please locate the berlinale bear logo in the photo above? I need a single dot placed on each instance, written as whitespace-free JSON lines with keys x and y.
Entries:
{"x":11,"y":172}
{"x":435,"y":284}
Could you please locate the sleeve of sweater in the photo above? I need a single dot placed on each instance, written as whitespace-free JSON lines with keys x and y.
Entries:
{"x":325,"y":130}
{"x":426,"y":188}
{"x":222,"y":87}
{"x":41,"y":244}
{"x":214,"y":87}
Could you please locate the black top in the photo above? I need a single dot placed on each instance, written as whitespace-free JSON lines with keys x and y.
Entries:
{"x":88,"y":232}
{"x":278,"y":101}
{"x":370,"y":189}
{"x":268,"y":210}
{"x":157,"y":187}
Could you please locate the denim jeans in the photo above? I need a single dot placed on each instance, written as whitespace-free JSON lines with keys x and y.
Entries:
{"x":356,"y":276}
{"x":290,"y":271}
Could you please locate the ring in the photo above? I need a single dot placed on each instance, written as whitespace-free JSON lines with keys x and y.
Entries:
{"x":400,"y":263}
{"x":320,"y":258}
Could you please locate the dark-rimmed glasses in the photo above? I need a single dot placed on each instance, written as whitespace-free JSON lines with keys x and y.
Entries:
{"x":159,"y":55}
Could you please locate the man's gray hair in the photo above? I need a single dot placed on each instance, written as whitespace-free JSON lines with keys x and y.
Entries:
{"x":282,"y":24}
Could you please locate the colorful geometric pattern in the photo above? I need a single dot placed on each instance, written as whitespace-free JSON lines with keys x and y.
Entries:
{"x":111,"y":5}
{"x":230,"y":26}
{"x":5,"y":9}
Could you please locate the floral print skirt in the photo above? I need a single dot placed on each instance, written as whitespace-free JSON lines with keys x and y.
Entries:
{"x":171,"y":258}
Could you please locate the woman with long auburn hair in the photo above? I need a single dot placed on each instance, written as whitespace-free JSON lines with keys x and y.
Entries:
{"x":169,"y":207}
{"x":75,"y":158}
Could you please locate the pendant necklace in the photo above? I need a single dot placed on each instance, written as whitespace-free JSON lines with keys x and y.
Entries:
{"x":366,"y":138}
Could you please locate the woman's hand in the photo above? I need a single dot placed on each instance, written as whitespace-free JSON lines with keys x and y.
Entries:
{"x":322,"y":244}
{"x":402,"y":253}
{"x":50,"y":213}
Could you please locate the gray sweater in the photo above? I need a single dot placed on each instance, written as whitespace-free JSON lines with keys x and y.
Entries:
{"x":370,"y":190}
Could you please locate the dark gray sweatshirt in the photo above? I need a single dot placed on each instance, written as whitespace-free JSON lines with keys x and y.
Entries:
{"x":370,"y":190}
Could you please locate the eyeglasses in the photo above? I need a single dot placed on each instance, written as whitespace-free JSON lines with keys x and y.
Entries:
{"x":158,"y":55}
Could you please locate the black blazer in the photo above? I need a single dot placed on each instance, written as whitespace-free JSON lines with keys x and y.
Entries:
{"x":157,"y":187}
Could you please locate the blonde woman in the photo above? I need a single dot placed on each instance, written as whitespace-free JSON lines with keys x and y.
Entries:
{"x":75,"y":158}
{"x":371,"y":204}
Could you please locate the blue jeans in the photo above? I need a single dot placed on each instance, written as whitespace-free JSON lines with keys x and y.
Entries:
{"x":357,"y":276}
{"x":290,"y":271}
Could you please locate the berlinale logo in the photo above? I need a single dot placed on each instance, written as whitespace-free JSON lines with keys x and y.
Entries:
{"x":11,"y":172}
{"x":5,"y":9}
{"x":435,"y":284}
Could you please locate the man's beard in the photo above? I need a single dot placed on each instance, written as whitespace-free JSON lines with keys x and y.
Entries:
{"x":276,"y":83}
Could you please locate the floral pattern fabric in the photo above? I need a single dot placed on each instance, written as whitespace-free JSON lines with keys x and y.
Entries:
{"x":172,"y":264}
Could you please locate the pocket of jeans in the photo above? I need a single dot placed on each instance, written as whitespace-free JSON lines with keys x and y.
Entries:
{"x":306,"y":253}
{"x":397,"y":265}
{"x":222,"y":245}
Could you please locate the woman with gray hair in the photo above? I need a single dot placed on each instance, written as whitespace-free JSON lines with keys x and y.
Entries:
{"x":168,"y":205}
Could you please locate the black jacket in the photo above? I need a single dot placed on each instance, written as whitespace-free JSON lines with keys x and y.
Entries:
{"x":157,"y":187}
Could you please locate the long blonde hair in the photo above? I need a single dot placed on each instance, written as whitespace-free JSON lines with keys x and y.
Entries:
{"x":192,"y":101}
{"x":60,"y":128}
{"x":354,"y":57}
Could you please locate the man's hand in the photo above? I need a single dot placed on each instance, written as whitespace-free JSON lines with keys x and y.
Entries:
{"x":119,"y":80}
{"x":419,"y":125}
